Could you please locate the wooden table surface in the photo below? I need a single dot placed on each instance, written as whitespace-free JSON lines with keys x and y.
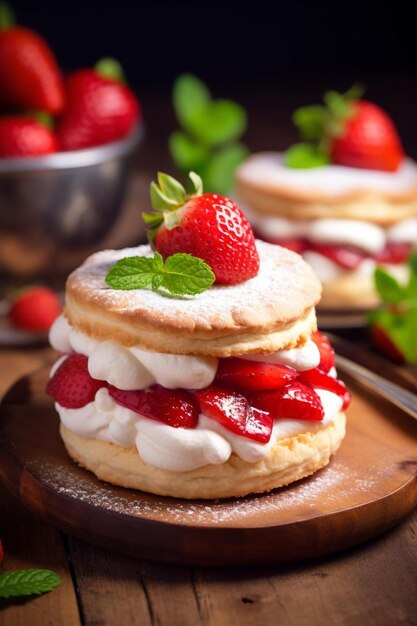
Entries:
{"x":373,"y":585}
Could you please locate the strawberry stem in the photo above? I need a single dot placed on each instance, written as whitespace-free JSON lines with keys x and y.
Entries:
{"x":111,"y":69}
{"x":7,"y":17}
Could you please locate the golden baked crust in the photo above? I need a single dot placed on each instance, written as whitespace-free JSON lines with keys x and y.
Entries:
{"x":288,"y":460}
{"x":272,"y":311}
{"x":272,"y":198}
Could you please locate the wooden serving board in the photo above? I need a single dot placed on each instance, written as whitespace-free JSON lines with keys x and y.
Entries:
{"x":369,"y":486}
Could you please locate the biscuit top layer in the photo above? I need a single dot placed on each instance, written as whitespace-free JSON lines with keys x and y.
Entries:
{"x":272,"y":311}
{"x":266,"y":185}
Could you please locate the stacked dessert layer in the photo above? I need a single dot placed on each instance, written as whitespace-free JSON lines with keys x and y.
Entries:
{"x":229,"y":392}
{"x":343,"y":220}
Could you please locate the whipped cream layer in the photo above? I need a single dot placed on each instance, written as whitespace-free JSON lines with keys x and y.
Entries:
{"x":181,"y":449}
{"x":268,"y":169}
{"x":160,"y":445}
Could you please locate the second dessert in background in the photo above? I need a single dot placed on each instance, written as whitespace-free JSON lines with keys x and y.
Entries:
{"x":346,"y":199}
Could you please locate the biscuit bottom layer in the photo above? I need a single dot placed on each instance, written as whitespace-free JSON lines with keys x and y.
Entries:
{"x":288,"y":460}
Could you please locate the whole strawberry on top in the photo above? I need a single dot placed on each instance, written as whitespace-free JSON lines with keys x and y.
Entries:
{"x":29,"y":73}
{"x":24,"y":136}
{"x":100,"y":107}
{"x":205,"y":225}
{"x":348,"y":131}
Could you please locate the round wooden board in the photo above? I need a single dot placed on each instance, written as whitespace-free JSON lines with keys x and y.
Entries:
{"x":369,"y":486}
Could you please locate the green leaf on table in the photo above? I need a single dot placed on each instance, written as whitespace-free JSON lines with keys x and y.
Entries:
{"x":305,"y":156}
{"x":186,"y":152}
{"x":189,"y":95}
{"x":27,"y":582}
{"x":388,"y":288}
{"x":181,"y":274}
{"x":219,"y":121}
{"x":220,"y":170}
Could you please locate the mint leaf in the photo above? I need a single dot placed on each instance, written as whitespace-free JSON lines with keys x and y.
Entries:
{"x":305,"y":156}
{"x":219,"y":121}
{"x":219,"y":172}
{"x":185,"y":274}
{"x":27,"y":582}
{"x":132,"y":272}
{"x":189,"y":95}
{"x":181,"y":274}
{"x":388,"y":287}
{"x":186,"y":152}
{"x":310,"y":121}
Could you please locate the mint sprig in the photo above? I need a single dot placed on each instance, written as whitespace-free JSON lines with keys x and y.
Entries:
{"x":318,"y":124}
{"x":27,"y":582}
{"x":208,"y":139}
{"x":398,"y":314}
{"x":180,"y":275}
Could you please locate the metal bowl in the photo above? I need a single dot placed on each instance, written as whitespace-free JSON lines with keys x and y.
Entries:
{"x":57,"y":208}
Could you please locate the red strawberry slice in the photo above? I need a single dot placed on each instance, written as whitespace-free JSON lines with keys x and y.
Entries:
{"x":29,"y":74}
{"x":253,"y":376}
{"x":71,"y":385}
{"x":326,"y":351}
{"x":295,"y":401}
{"x":232,"y":410}
{"x":385,"y":344}
{"x":369,"y":140}
{"x":23,"y":136}
{"x":34,"y":309}
{"x":175,"y":407}
{"x":394,"y":252}
{"x":296,"y":245}
{"x":319,"y":380}
{"x":208,"y":226}
{"x":99,"y":110}
{"x":346,"y":256}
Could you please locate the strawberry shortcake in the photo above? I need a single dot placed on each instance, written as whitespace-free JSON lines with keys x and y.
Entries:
{"x":346,"y":198}
{"x":192,"y":367}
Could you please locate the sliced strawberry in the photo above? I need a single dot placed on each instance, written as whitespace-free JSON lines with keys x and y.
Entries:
{"x":394,"y":252}
{"x":253,"y":376}
{"x":347,"y":257}
{"x":295,"y":401}
{"x":175,"y":407}
{"x":385,"y":344}
{"x":232,"y":410}
{"x":34,"y":309}
{"x":208,"y":226}
{"x":326,"y":351}
{"x":318,"y":379}
{"x":296,"y":245}
{"x":71,"y":385}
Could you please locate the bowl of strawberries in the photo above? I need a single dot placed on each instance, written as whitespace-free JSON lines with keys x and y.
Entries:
{"x":67,"y":145}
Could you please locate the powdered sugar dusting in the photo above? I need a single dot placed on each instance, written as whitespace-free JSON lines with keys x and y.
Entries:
{"x":283,"y":289}
{"x":330,"y":489}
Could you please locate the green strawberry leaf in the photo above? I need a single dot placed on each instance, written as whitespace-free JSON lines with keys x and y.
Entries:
{"x":189,"y":95}
{"x":27,"y":582}
{"x":7,"y":17}
{"x":186,"y":152}
{"x":181,"y":274}
{"x":388,"y":287}
{"x":219,"y":172}
{"x":171,"y":187}
{"x":310,"y":121}
{"x":110,"y":68}
{"x":305,"y":156}
{"x":219,"y":121}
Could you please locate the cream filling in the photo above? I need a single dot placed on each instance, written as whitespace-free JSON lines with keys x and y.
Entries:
{"x":181,"y":449}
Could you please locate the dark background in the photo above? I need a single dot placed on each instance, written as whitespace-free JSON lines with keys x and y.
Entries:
{"x":272,"y":57}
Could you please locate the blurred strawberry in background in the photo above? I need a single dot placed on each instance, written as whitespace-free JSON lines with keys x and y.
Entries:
{"x":34,"y":309}
{"x":100,"y":107}
{"x":24,"y":136}
{"x":29,"y":74}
